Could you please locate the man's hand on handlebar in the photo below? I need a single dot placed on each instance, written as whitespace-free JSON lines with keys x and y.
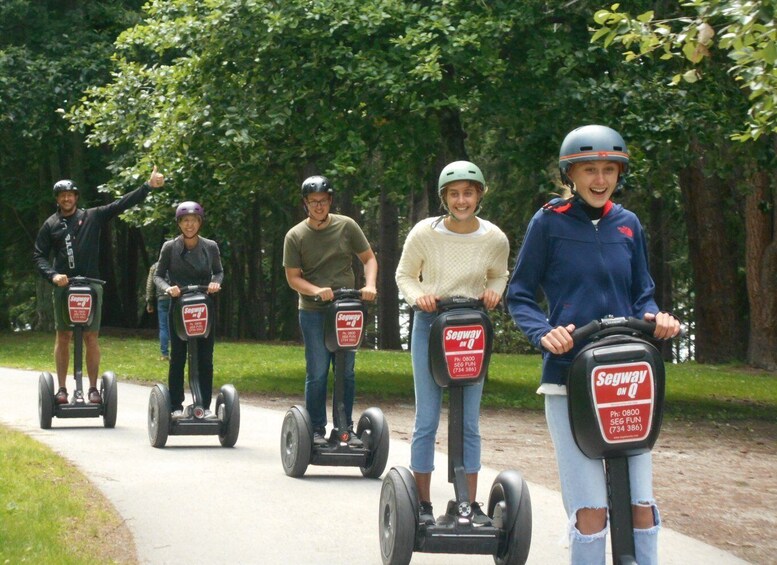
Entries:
{"x":213,"y":287}
{"x":174,"y":291}
{"x":667,"y":326}
{"x":60,"y":280}
{"x":325,"y":294}
{"x":559,"y":340}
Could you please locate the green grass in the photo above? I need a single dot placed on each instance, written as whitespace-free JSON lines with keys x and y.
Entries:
{"x":48,"y":511}
{"x":693,"y":391}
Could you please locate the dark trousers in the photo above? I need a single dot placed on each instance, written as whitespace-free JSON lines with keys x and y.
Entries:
{"x":178,"y":349}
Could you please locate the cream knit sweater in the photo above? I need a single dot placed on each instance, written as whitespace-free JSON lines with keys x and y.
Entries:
{"x":447,"y":264}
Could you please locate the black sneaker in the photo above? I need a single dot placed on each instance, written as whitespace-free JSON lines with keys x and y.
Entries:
{"x":61,"y":396}
{"x":319,"y":437}
{"x":479,"y":518}
{"x":354,"y":441}
{"x":426,"y":513}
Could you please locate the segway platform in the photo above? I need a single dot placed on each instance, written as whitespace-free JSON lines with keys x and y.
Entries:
{"x":79,"y":309}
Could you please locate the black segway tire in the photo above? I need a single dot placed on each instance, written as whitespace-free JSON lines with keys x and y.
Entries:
{"x":296,"y":441}
{"x":373,"y":430}
{"x":398,"y":517}
{"x":45,"y":400}
{"x":110,"y":395}
{"x":228,"y":411}
{"x":159,"y":416}
{"x":510,"y":489}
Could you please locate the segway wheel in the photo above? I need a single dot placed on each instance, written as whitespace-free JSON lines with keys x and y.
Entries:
{"x":510,"y":503}
{"x":158,"y":416}
{"x":110,"y":399}
{"x":296,"y":441}
{"x":373,"y":430}
{"x":398,"y":517}
{"x":228,"y":411}
{"x":45,"y":400}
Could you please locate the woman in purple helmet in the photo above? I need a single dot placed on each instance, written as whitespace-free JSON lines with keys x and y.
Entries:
{"x":588,"y":256}
{"x":189,"y":259}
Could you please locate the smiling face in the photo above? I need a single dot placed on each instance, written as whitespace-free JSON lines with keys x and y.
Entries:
{"x":189,"y":225}
{"x":595,"y":181}
{"x":67,"y":200}
{"x":462,"y":198}
{"x":318,"y":205}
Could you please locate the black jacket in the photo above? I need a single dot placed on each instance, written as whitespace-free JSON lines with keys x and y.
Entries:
{"x":75,"y":240}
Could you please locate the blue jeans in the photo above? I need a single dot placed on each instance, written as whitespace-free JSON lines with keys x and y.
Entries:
{"x":163,"y":315}
{"x":428,"y":403}
{"x":583,"y":485}
{"x":318,"y":359}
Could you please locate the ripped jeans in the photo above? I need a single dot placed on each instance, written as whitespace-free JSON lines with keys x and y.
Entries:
{"x":583,"y":485}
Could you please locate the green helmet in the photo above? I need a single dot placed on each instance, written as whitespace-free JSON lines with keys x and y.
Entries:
{"x":460,"y":170}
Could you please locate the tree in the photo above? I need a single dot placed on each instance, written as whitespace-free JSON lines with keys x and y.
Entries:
{"x":746,"y":33}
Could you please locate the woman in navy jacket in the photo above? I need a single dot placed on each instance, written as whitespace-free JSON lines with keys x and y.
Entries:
{"x":588,"y":255}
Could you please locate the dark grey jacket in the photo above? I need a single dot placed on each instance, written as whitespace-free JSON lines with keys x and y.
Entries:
{"x":178,"y":266}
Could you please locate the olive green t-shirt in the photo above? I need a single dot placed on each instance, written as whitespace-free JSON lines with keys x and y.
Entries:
{"x":324,"y":255}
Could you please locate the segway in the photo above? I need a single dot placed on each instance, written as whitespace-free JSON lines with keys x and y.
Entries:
{"x":459,"y":352}
{"x":343,"y":331}
{"x":79,"y":305}
{"x":616,"y":396}
{"x":192,"y":316}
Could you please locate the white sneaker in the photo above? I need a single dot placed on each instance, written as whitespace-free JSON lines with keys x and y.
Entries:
{"x":210,"y":415}
{"x":177,"y":415}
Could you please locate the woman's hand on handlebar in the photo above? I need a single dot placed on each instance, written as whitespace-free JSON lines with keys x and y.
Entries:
{"x":427,"y":303}
{"x":667,"y":326}
{"x":490,"y":299}
{"x":369,"y":293}
{"x":174,"y":291}
{"x":559,"y":340}
{"x":213,"y":287}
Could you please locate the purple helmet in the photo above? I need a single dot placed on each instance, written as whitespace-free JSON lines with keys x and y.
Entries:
{"x":189,"y":207}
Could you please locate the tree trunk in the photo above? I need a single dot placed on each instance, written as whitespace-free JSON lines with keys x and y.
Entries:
{"x":388,"y":294}
{"x":659,"y":252}
{"x":761,"y":268}
{"x":720,"y":308}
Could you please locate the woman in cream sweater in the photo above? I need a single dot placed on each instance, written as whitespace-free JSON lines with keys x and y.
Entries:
{"x":457,"y":254}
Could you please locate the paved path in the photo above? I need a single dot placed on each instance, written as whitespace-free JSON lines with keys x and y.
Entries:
{"x":196,"y":500}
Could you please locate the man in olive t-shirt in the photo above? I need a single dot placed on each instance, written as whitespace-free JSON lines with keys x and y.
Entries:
{"x":317,"y":255}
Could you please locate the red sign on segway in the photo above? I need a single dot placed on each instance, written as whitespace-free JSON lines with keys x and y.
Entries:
{"x":79,"y":307}
{"x":464,"y":350}
{"x":623,"y":397}
{"x":349,"y":325}
{"x":195,"y":319}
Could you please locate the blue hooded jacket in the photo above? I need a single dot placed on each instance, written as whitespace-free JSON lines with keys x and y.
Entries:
{"x":586,"y":271}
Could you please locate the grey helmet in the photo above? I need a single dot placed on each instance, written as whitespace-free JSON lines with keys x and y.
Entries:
{"x":592,"y":143}
{"x":65,"y":185}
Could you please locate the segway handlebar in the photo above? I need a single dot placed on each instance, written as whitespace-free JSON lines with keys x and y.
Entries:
{"x":342,"y":293}
{"x":189,"y":288}
{"x":81,"y":280}
{"x":452,"y":302}
{"x":620,"y":325}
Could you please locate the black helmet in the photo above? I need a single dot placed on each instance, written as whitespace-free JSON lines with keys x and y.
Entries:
{"x":317,"y":183}
{"x":592,"y":143}
{"x":65,"y":185}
